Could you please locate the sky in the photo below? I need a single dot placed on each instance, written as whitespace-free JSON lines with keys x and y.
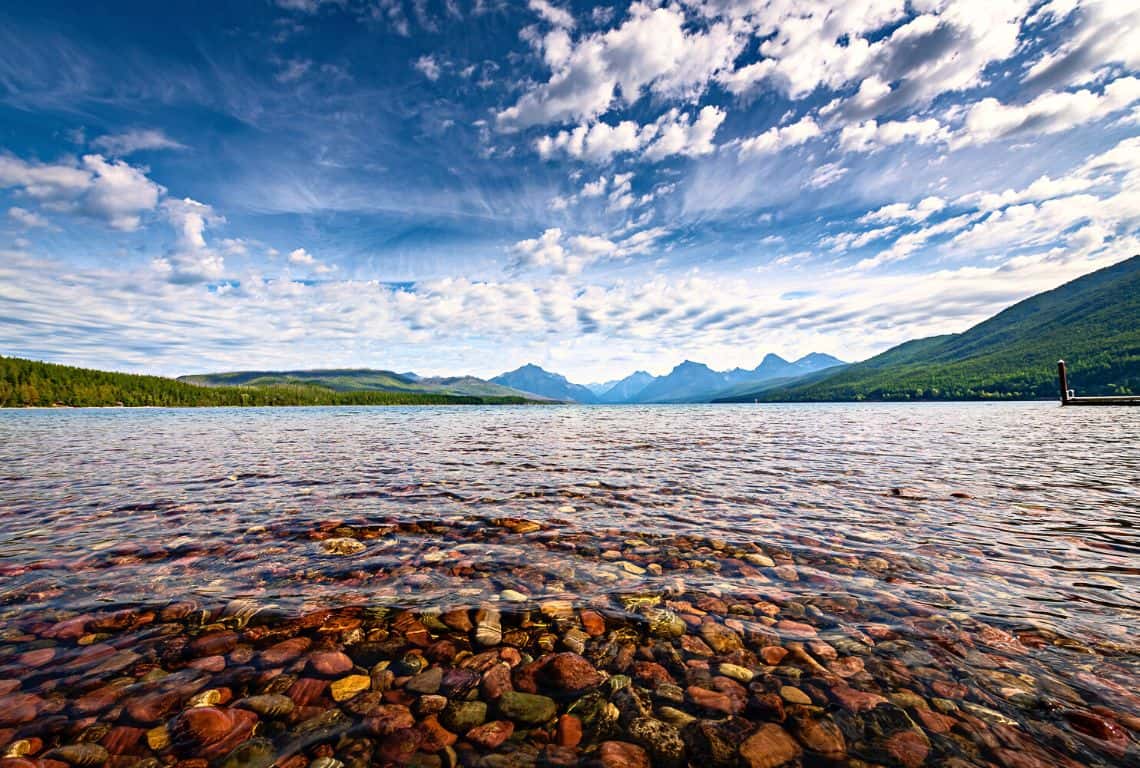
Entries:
{"x":465,"y":186}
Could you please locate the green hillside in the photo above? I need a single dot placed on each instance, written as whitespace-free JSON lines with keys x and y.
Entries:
{"x":358,"y":380}
{"x":30,"y":383}
{"x":1093,"y":323}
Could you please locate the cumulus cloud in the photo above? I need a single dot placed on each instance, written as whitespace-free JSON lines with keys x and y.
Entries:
{"x":920,"y":211}
{"x":552,"y":14}
{"x":1096,"y":36}
{"x":192,"y":260}
{"x":122,"y":144}
{"x":26,"y":219}
{"x":871,"y":135}
{"x":777,"y":138}
{"x":826,"y":175}
{"x":651,"y":50}
{"x":555,"y":252}
{"x":673,"y":133}
{"x":110,"y":190}
{"x":428,"y":66}
{"x":1052,"y":112}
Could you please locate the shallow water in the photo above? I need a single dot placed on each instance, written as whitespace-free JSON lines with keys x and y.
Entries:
{"x":993,"y":597}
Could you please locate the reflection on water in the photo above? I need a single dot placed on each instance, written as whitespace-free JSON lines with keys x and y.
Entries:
{"x":892,"y":584}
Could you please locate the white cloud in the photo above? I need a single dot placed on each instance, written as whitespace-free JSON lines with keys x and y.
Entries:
{"x":192,"y":259}
{"x":910,"y":242}
{"x":871,"y":135}
{"x":777,"y":138}
{"x":1051,"y":112}
{"x":110,"y":190}
{"x":595,"y":188}
{"x":905,"y":211}
{"x":122,"y":144}
{"x":293,"y":70}
{"x":558,"y":17}
{"x":554,"y":252}
{"x":671,"y":134}
{"x":826,"y":175}
{"x":652,"y":49}
{"x":1101,"y":34}
{"x":300,"y":256}
{"x":428,"y":67}
{"x":26,"y":219}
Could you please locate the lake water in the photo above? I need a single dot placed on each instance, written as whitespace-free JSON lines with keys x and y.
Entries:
{"x":928,"y":584}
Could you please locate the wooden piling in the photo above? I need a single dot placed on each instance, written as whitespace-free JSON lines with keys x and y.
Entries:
{"x":1063,"y":377}
{"x":1069,"y":398}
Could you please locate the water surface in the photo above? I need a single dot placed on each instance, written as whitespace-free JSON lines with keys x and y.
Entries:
{"x":973,"y":567}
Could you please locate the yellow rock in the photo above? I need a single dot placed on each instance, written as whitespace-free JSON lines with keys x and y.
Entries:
{"x":205,"y":698}
{"x":347,"y":687}
{"x":158,"y":738}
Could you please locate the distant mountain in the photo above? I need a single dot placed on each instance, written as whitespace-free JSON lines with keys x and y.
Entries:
{"x":598,"y":387}
{"x":357,"y":380}
{"x":533,"y":380}
{"x":1092,"y":322}
{"x":628,"y":388}
{"x":30,"y":383}
{"x":693,"y":382}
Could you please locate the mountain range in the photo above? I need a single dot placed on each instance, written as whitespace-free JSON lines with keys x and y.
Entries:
{"x":1093,"y":323}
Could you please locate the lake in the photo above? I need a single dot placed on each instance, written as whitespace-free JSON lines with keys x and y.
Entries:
{"x":879,"y":584}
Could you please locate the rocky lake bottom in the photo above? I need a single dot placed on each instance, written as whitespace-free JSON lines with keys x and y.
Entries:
{"x":861,"y":585}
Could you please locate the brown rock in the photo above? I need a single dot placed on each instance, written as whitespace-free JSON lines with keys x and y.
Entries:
{"x":569,"y":732}
{"x":152,"y":708}
{"x":458,"y":619}
{"x":399,"y":746}
{"x":386,"y":719}
{"x":213,"y":644}
{"x":855,"y":700}
{"x":769,"y":747}
{"x":330,"y":663}
{"x":773,"y":654}
{"x":491,"y":735}
{"x":720,"y":638}
{"x":284,"y":652}
{"x":593,"y":623}
{"x":621,"y":754}
{"x":433,"y":736}
{"x":571,"y":673}
{"x":712,"y":700}
{"x":210,"y":732}
{"x":795,"y":629}
{"x":909,"y":747}
{"x":822,"y":736}
{"x":496,"y":681}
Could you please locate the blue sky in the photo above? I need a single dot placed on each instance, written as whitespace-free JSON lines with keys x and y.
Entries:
{"x":465,"y":186}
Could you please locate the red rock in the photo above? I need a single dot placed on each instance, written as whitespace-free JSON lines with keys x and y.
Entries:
{"x":330,"y":663}
{"x":412,"y":629}
{"x":19,"y":708}
{"x":593,"y":623}
{"x":491,"y":735}
{"x":557,"y":756}
{"x":694,"y":646}
{"x":846,"y":667}
{"x":934,"y":721}
{"x":208,"y":663}
{"x":769,"y":747}
{"x":949,"y":690}
{"x":569,"y":732}
{"x":151,"y":708}
{"x":720,"y":637}
{"x":399,"y":746}
{"x":213,"y":644}
{"x":306,"y":690}
{"x":458,"y":619}
{"x":796,"y":629}
{"x":282,"y":653}
{"x":433,"y":736}
{"x":773,"y":654}
{"x":570,"y":672}
{"x":496,"y":682}
{"x":1096,"y":726}
{"x":712,"y":700}
{"x":9,"y":685}
{"x":36,"y":659}
{"x":908,"y":747}
{"x":855,"y":700}
{"x":769,"y":706}
{"x":386,"y":719}
{"x":99,"y":699}
{"x":621,"y":754}
{"x":122,"y":739}
{"x":210,"y":732}
{"x":69,"y":629}
{"x":651,"y":673}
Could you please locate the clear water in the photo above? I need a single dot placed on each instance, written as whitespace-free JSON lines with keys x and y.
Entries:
{"x":1017,"y":517}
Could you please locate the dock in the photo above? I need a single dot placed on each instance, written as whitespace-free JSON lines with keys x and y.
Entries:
{"x":1069,"y":397}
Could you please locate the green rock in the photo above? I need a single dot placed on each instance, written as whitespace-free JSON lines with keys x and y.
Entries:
{"x":527,"y":708}
{"x":462,"y":716}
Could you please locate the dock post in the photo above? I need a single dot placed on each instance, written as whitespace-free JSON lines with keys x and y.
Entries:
{"x":1063,"y":377}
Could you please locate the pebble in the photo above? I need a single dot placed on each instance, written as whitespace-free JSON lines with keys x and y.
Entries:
{"x":342,"y":546}
{"x":527,"y":708}
{"x":347,"y":687}
{"x":620,"y":754}
{"x":769,"y":747}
